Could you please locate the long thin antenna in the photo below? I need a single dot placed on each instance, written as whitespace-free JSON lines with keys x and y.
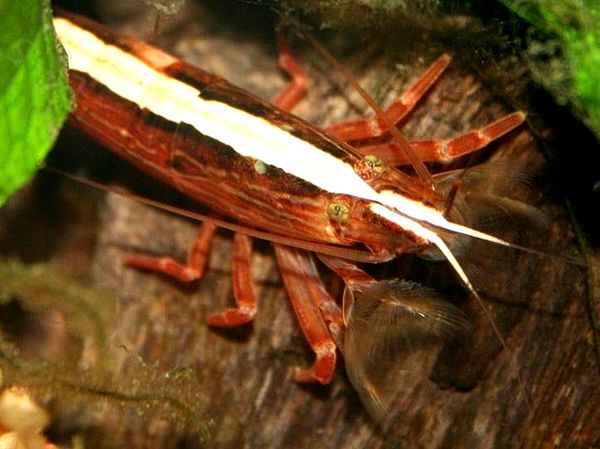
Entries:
{"x":356,"y":255}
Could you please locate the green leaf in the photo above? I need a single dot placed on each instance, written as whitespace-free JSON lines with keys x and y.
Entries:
{"x":34,"y":93}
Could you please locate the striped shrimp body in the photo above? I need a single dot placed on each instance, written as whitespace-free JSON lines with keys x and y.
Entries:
{"x":269,"y":170}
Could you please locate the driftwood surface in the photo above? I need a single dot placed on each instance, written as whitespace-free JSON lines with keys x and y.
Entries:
{"x":543,"y":392}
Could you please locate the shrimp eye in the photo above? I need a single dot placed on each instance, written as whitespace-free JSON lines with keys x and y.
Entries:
{"x":337,"y":211}
{"x":369,"y":167}
{"x":374,"y":163}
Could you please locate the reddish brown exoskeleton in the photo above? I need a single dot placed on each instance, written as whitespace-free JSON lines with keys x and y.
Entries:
{"x":271,"y":171}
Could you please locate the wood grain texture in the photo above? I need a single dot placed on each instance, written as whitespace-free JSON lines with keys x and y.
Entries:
{"x":462,"y":394}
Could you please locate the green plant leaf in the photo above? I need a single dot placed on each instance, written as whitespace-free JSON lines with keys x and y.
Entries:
{"x":34,"y":93}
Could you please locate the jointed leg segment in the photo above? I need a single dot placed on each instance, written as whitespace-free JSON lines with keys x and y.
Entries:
{"x":293,"y":92}
{"x":188,"y":272}
{"x":313,"y":306}
{"x":433,"y":150}
{"x":194,"y":269}
{"x":427,"y":150}
{"x":243,"y":290}
{"x":372,"y":127}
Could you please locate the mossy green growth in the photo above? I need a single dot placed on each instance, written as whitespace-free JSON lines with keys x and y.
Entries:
{"x":565,"y":52}
{"x":83,"y":372}
{"x":40,"y":288}
{"x":34,"y":93}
